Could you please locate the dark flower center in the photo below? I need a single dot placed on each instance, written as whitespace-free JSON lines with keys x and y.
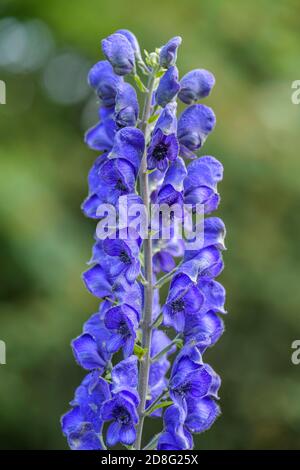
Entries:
{"x":177,"y":305}
{"x":183,"y":389}
{"x":124,"y":257}
{"x":160,"y":151}
{"x":120,"y":185}
{"x":123,"y":329}
{"x":122,"y":415}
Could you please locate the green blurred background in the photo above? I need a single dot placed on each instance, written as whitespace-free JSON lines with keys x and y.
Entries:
{"x":46,"y":49}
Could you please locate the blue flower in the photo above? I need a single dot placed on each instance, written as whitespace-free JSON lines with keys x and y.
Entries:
{"x":82,"y":425}
{"x":200,"y":184}
{"x":118,"y":50}
{"x":167,"y":121}
{"x":194,"y":125}
{"x":195,"y":85}
{"x":101,"y":136}
{"x":167,"y":250}
{"x":163,"y":148}
{"x":122,"y":321}
{"x":133,"y":41}
{"x":126,"y":258}
{"x":97,"y":281}
{"x":168,"y":87}
{"x":168,"y":53}
{"x":189,"y":379}
{"x":127,"y":107}
{"x":125,"y":375}
{"x":129,"y":144}
{"x":203,"y":330}
{"x":175,"y":436}
{"x":201,"y":414}
{"x":214,"y":233}
{"x":87,"y":353}
{"x":206,"y":263}
{"x":105,"y":82}
{"x":184,"y":298}
{"x":121,"y":410}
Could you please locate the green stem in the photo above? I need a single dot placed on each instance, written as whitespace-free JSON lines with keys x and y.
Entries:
{"x":165,"y":278}
{"x":147,"y":314}
{"x":149,"y":410}
{"x":166,"y":349}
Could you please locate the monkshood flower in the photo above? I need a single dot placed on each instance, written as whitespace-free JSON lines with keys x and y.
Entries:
{"x":200,"y":184}
{"x":89,"y":348}
{"x":168,"y":53}
{"x":175,"y":436}
{"x":184,"y":298}
{"x":163,"y":148}
{"x":122,"y":322}
{"x":121,"y":410}
{"x":168,"y":87}
{"x":133,"y":41}
{"x":191,"y":379}
{"x":135,"y":370}
{"x":203,"y":330}
{"x":194,"y":125}
{"x":82,"y":425}
{"x":167,"y":250}
{"x":195,"y":85}
{"x":126,"y":107}
{"x":105,"y":82}
{"x":118,"y":50}
{"x":101,"y":136}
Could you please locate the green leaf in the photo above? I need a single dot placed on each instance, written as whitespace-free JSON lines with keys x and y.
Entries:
{"x":152,"y":444}
{"x":163,"y":404}
{"x":153,"y":118}
{"x":140,"y":84}
{"x":160,"y":73}
{"x":158,"y":321}
{"x":178,"y":342}
{"x":139,"y":351}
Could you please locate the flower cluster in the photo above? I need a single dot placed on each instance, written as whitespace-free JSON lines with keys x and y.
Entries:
{"x":127,"y":346}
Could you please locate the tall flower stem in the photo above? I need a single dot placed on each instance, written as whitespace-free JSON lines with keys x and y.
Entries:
{"x":146,"y":325}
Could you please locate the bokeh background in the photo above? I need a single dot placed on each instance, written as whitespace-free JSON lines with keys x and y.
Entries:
{"x":46,"y":49}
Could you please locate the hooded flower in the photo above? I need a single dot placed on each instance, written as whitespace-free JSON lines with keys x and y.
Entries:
{"x":163,"y":148}
{"x":125,"y":254}
{"x":129,"y":144}
{"x":190,"y":380}
{"x":203,"y":330}
{"x":121,"y":410}
{"x":118,"y":50}
{"x":195,"y":85}
{"x":133,"y":41}
{"x":127,"y":107}
{"x":184,"y":298}
{"x":122,"y":321}
{"x":82,"y":425}
{"x":101,"y":136}
{"x":168,"y":53}
{"x":168,"y":87}
{"x":105,"y":82}
{"x":194,"y":125}
{"x":175,"y":436}
{"x":200,"y":184}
